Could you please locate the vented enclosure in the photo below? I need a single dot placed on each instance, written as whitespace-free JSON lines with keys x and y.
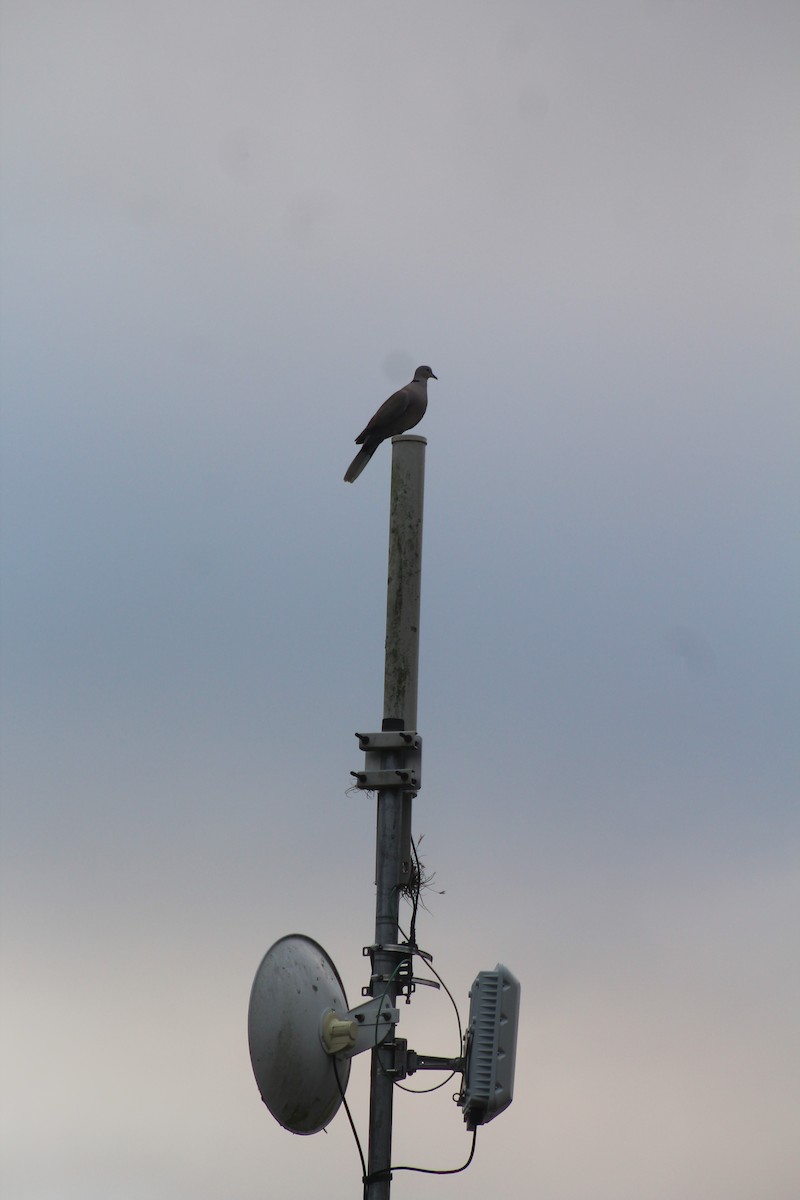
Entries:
{"x":491,"y":1046}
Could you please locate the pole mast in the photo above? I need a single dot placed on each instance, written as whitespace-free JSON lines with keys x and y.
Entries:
{"x":393,"y":832}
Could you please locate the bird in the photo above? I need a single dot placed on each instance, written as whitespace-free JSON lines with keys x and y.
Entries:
{"x":400,"y":412}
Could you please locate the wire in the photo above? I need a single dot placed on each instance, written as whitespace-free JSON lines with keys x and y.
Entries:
{"x":431,"y":967}
{"x":424,"y":1091}
{"x":448,"y":1170}
{"x":350,"y":1118}
{"x":412,"y":938}
{"x":367,"y":1179}
{"x":412,"y":942}
{"x":413,"y":948}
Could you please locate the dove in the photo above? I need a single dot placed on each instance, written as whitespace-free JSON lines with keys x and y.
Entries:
{"x":400,"y":412}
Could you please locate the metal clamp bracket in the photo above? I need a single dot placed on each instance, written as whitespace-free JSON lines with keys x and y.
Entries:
{"x":402,"y":975}
{"x":360,"y":1029}
{"x":404,"y":746}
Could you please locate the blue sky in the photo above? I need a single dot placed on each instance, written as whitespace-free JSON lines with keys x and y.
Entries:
{"x":228,"y":233}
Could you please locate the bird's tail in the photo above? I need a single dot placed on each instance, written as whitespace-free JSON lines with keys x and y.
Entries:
{"x":360,"y":461}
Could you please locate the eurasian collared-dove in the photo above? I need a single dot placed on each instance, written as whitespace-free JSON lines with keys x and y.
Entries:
{"x":400,"y":412}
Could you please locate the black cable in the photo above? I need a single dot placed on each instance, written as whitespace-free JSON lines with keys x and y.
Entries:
{"x":350,"y":1119}
{"x":431,"y":967}
{"x":367,"y":1179}
{"x":436,"y":1086}
{"x":412,"y":938}
{"x":447,"y":1170}
{"x":412,"y":946}
{"x":424,"y":1091}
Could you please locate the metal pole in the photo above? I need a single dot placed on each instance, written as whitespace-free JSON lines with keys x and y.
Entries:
{"x":393,"y":835}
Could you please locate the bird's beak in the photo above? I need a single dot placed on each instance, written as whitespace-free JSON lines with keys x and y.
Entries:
{"x":434,"y":376}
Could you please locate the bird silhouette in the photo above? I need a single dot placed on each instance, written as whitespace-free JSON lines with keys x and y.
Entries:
{"x":400,"y":412}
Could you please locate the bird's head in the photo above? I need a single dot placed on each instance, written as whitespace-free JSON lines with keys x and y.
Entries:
{"x":424,"y":373}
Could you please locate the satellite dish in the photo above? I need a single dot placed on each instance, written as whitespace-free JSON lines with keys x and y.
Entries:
{"x":295,"y":986}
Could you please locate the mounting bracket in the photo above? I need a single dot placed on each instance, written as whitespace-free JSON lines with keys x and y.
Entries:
{"x":405,"y":748}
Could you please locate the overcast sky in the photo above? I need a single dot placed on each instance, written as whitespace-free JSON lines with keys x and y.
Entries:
{"x":229,"y":231}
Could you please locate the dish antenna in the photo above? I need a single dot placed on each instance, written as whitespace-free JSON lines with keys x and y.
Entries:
{"x":297,"y":1023}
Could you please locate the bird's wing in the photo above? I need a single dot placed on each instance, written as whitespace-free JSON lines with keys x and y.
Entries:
{"x":389,"y":412}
